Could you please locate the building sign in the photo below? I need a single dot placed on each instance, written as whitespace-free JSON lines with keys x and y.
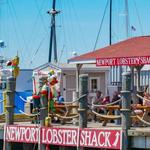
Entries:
{"x":96,"y":138}
{"x":109,"y":139}
{"x":27,"y":134}
{"x":123,"y":61}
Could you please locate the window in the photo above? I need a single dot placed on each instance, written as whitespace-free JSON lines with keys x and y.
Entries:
{"x":94,"y":84}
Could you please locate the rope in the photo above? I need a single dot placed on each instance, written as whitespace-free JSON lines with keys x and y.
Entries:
{"x":143,"y":121}
{"x":2,"y":114}
{"x":29,"y":115}
{"x":106,"y":116}
{"x":1,"y":101}
{"x":96,"y":105}
{"x":24,"y":100}
{"x":142,"y":97}
{"x":140,"y":118}
{"x":139,"y":19}
{"x":75,"y":100}
{"x":64,"y":117}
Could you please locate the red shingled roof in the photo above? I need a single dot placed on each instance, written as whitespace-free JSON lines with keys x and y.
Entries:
{"x":133,"y":47}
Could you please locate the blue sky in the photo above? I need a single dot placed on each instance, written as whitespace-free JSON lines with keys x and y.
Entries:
{"x":24,"y":27}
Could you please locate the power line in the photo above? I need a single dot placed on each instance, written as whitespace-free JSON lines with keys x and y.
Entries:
{"x":101,"y":25}
{"x":37,"y":49}
{"x":139,"y":19}
{"x":63,"y":29}
{"x":79,"y":25}
{"x":15,"y":14}
{"x":13,"y":11}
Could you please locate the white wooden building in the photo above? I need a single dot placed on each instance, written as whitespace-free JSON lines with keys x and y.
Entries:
{"x":98,"y":77}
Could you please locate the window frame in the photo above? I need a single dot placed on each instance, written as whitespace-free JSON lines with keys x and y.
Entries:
{"x":98,"y":83}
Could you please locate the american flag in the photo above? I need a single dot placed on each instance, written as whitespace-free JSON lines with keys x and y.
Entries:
{"x":133,"y":28}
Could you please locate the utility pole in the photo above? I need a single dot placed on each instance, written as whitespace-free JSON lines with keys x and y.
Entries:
{"x":53,"y":43}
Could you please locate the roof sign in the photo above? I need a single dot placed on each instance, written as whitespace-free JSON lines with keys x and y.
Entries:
{"x":123,"y":61}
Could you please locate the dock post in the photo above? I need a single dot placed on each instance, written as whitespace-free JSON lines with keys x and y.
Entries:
{"x":10,"y":98}
{"x":43,"y":114}
{"x":125,"y":110}
{"x":74,"y":110}
{"x":83,"y":89}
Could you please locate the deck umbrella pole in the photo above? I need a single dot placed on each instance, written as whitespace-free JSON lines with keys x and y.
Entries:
{"x":138,"y":68}
{"x":132,"y":77}
{"x":78,"y":67}
{"x":125,"y":110}
{"x":134,"y":97}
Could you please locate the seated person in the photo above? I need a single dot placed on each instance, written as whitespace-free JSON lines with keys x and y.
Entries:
{"x":116,"y":97}
{"x":146,"y":114}
{"x":60,"y":100}
{"x":146,"y":99}
{"x":106,"y":100}
{"x":97,"y":100}
{"x":146,"y":102}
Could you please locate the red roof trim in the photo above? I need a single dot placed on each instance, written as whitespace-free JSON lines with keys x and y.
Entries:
{"x":133,"y":47}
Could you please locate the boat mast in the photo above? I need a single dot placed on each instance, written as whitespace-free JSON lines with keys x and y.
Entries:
{"x":110,"y":23}
{"x":127,"y":18}
{"x":53,"y":43}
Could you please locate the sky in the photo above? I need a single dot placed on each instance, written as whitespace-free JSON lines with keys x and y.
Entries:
{"x":25,"y":27}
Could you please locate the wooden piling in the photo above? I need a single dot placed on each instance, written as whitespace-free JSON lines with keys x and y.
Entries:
{"x":83,"y":89}
{"x":43,"y":115}
{"x":10,"y":98}
{"x":74,"y":110}
{"x":125,"y":111}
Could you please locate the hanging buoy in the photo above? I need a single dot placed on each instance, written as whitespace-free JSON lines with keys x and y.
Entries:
{"x":48,"y":121}
{"x":44,"y":92}
{"x":36,"y":97}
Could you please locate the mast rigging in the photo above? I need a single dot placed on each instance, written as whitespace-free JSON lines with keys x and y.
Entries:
{"x":53,"y":43}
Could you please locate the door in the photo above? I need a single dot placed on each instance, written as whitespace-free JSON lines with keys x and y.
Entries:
{"x":69,"y":85}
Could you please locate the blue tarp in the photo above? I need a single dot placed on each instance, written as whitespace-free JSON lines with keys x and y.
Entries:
{"x":20,"y":98}
{"x":1,"y":104}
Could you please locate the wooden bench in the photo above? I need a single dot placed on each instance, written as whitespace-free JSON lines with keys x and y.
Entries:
{"x":144,"y":115}
{"x":64,"y":111}
{"x":17,"y":118}
{"x":110,"y":115}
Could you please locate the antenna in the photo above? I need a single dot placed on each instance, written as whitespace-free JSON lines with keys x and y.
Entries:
{"x":53,"y":43}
